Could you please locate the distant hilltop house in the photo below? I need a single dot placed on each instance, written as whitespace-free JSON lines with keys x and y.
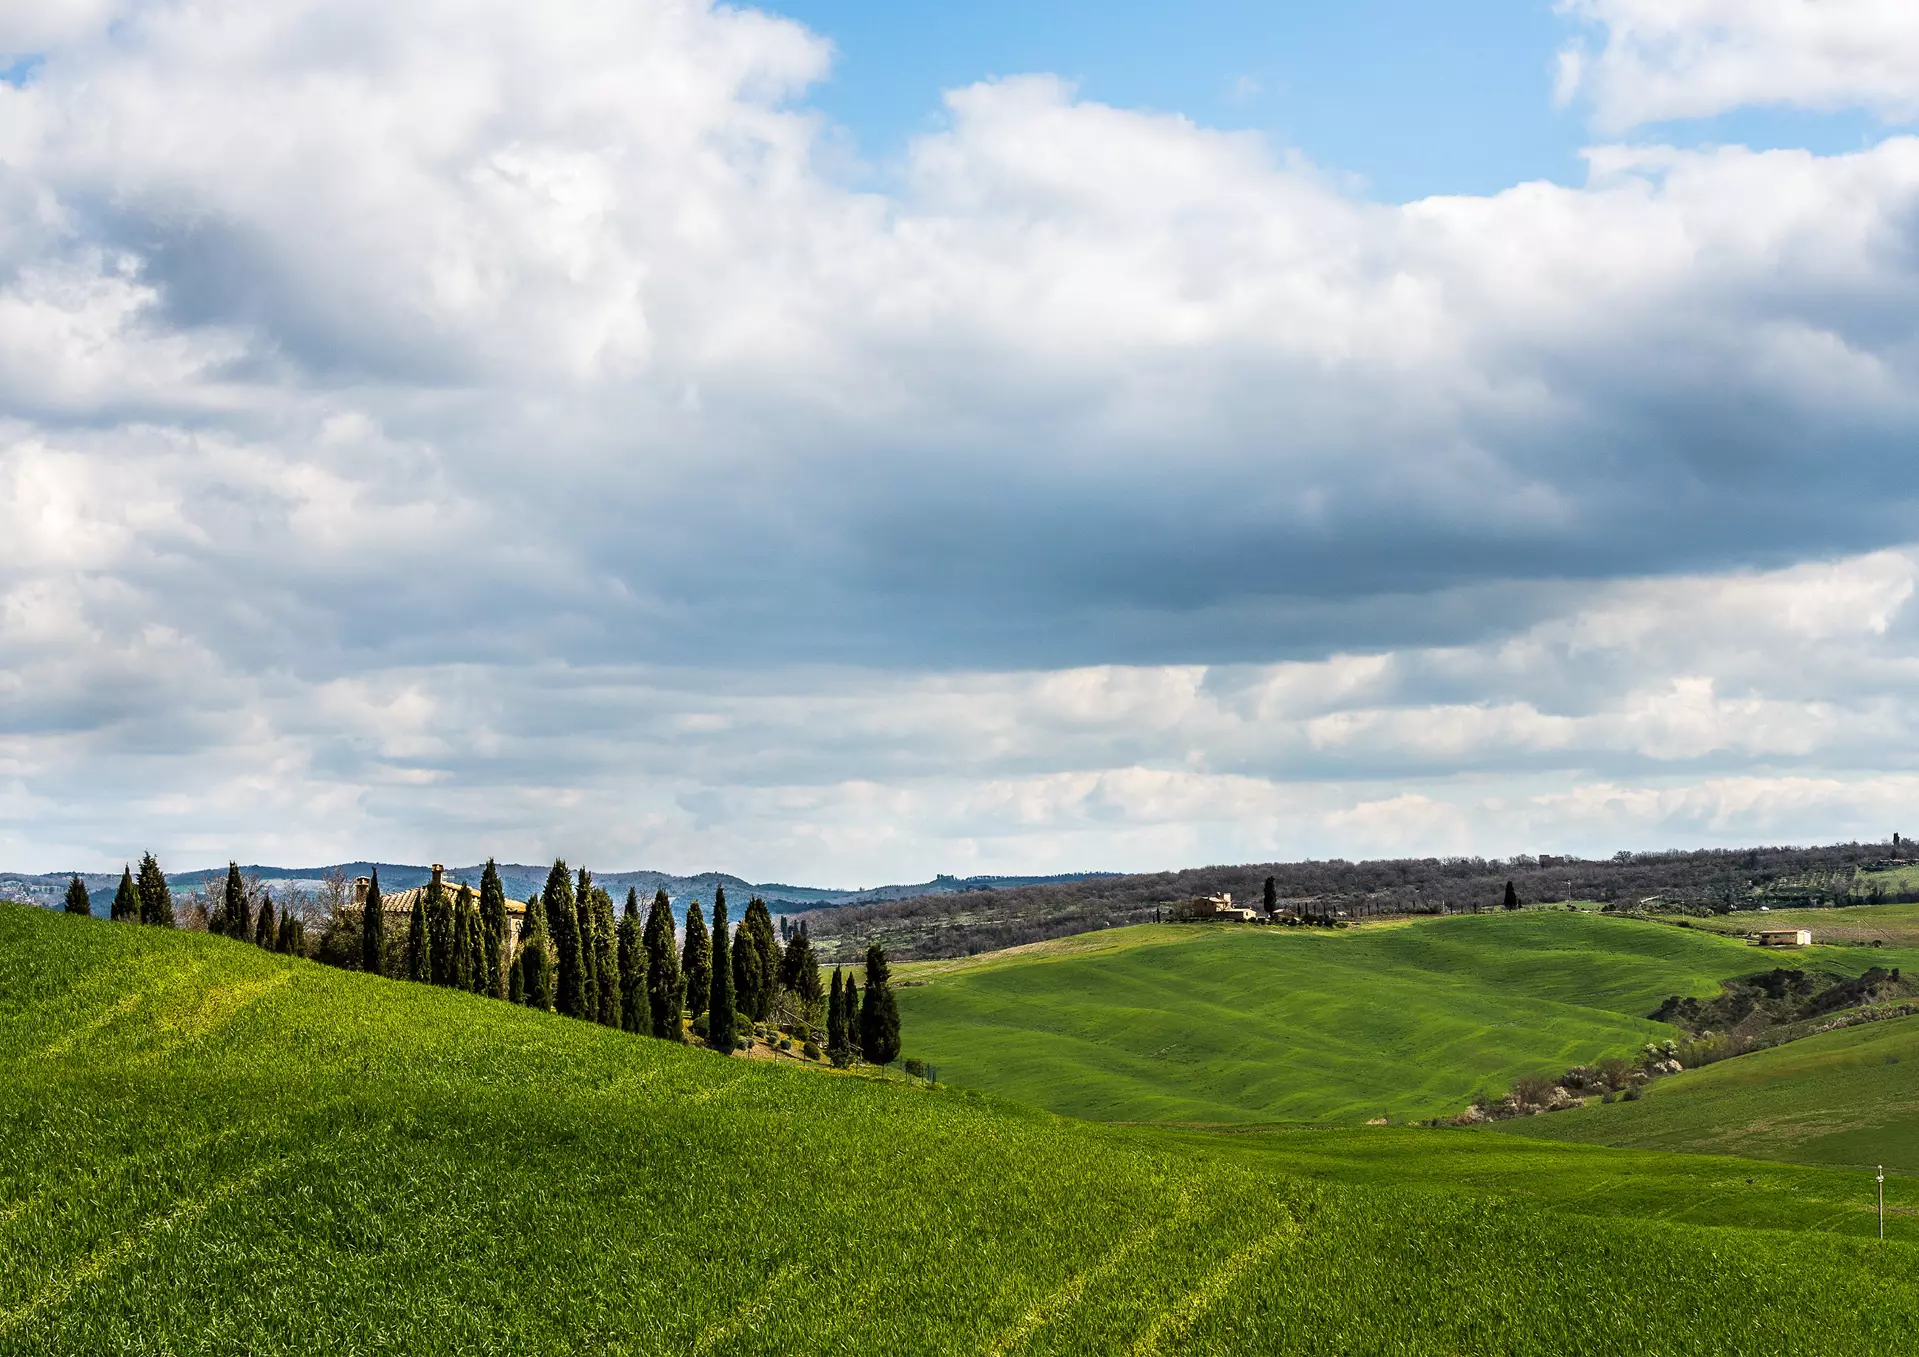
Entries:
{"x":1201,"y":908}
{"x":1785,"y":937}
{"x":400,"y":903}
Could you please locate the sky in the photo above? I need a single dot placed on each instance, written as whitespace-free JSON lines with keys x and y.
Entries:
{"x":841,"y":443}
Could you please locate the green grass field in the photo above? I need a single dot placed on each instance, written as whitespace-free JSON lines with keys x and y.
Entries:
{"x":1845,"y":1098}
{"x":1888,"y":925}
{"x":210,"y":1149}
{"x":1224,"y":1023}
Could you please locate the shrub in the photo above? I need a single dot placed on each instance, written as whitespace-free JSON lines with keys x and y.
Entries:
{"x":916,"y":1067}
{"x":810,"y":1051}
{"x":1532,"y":1090}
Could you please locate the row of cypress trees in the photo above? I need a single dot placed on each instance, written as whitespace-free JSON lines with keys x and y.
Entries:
{"x":571,"y":959}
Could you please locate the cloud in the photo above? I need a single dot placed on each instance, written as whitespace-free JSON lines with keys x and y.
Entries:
{"x":502,"y":425}
{"x":1666,"y":59}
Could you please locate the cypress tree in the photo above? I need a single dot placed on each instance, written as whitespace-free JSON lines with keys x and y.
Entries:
{"x":264,"y":932}
{"x":746,"y":972}
{"x":156,"y":898}
{"x":459,"y":961}
{"x":439,"y":932}
{"x":419,"y":961}
{"x":850,"y":1018}
{"x":719,"y":1002}
{"x":516,"y":978}
{"x":879,"y":1015}
{"x":836,"y":1017}
{"x":538,"y":965}
{"x":283,"y":937}
{"x":635,"y":1014}
{"x":556,"y":903}
{"x":696,"y":962}
{"x":232,"y":919}
{"x":373,"y":930}
{"x":800,"y":975}
{"x":126,"y":900}
{"x":665,"y":987}
{"x":766,"y":951}
{"x":606,"y":959}
{"x":589,"y":950}
{"x":494,"y":928}
{"x":1512,"y":897}
{"x":78,"y":901}
{"x":1271,"y":900}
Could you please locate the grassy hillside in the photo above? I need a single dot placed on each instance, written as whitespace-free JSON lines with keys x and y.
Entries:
{"x":1888,"y":925}
{"x":1235,"y":1024}
{"x":1844,"y":1098}
{"x":1570,"y":1178}
{"x":211,"y":1149}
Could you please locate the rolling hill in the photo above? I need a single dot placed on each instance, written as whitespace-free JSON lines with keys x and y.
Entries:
{"x":215,"y":1149}
{"x":1848,"y":1098}
{"x":1229,"y":1023}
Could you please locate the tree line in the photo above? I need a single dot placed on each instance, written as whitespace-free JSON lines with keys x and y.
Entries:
{"x":712,"y":980}
{"x":967,"y":922}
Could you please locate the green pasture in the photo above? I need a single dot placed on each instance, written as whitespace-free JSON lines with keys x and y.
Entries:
{"x":1855,"y":925}
{"x":210,"y":1149}
{"x":1567,"y":1177}
{"x":1849,"y":1098}
{"x":1225,"y":1023}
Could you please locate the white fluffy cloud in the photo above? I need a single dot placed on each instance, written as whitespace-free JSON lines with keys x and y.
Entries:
{"x":1663,"y":59}
{"x":437,"y":429}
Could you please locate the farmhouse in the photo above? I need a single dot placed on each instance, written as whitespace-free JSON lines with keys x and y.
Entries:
{"x":399,"y":904}
{"x":1785,"y":937}
{"x":1217,"y":907}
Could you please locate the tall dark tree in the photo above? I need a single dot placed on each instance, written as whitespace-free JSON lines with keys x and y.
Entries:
{"x":373,"y":930}
{"x":537,"y":964}
{"x":746,"y":972}
{"x":850,"y":1016}
{"x":264,"y":930}
{"x":766,"y":955}
{"x":589,"y":949}
{"x":156,"y":898}
{"x":126,"y":900}
{"x":556,"y":901}
{"x":1271,"y":900}
{"x":516,"y":970}
{"x":231,"y":919}
{"x":879,"y":1014}
{"x":419,"y":947}
{"x":665,"y":987}
{"x":439,"y":932}
{"x":608,"y":978}
{"x":459,"y":961}
{"x":1512,"y":897}
{"x":495,"y":930}
{"x":800,"y":975}
{"x":696,"y":962}
{"x":635,"y":1016}
{"x":719,"y":1001}
{"x":78,"y":901}
{"x":286,"y":939}
{"x":836,"y":1016}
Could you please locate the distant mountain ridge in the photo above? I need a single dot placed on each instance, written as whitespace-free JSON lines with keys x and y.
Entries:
{"x":522,"y":879}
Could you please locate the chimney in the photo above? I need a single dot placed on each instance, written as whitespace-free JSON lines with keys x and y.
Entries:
{"x":438,"y":872}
